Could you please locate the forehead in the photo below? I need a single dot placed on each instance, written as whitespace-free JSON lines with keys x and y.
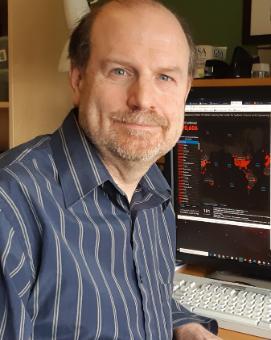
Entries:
{"x":137,"y":29}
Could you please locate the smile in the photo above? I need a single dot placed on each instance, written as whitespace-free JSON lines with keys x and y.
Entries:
{"x":137,"y":125}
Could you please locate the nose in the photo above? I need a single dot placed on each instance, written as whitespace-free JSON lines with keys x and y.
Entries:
{"x":141,"y":95}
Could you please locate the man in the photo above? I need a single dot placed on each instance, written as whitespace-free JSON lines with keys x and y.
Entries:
{"x":87,"y":233}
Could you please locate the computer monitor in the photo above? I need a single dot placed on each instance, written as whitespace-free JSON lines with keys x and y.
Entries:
{"x":220,"y":174}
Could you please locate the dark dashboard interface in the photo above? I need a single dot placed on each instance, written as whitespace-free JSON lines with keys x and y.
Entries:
{"x":222,"y":183}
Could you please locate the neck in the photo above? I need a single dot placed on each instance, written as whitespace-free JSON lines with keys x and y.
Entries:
{"x":126,"y":174}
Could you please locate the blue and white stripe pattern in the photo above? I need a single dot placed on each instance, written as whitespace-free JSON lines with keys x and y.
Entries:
{"x":77,"y":260}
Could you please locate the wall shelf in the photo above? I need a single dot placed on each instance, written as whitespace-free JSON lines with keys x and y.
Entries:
{"x":232,"y":82}
{"x":4,"y":105}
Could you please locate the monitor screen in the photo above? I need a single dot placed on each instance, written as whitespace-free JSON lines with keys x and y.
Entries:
{"x":221,"y":179}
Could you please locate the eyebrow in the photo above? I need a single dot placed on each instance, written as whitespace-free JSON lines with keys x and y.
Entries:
{"x":161,"y":69}
{"x":174,"y":69}
{"x":116,"y":61}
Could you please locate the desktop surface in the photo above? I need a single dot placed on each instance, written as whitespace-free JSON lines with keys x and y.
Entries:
{"x":225,"y":334}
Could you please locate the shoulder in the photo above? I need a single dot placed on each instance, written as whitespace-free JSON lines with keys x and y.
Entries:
{"x":23,"y":151}
{"x":19,"y":168}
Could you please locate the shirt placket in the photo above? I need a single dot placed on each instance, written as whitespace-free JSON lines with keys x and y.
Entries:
{"x":146,"y":280}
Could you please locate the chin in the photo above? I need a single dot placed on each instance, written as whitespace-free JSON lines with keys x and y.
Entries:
{"x":146,"y":155}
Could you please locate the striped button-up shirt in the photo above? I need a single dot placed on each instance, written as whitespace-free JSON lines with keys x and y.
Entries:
{"x":77,"y":260}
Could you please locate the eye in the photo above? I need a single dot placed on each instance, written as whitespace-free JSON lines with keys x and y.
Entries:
{"x":119,"y":71}
{"x":164,"y":77}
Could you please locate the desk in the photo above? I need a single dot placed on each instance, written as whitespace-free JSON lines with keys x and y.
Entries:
{"x":223,"y":333}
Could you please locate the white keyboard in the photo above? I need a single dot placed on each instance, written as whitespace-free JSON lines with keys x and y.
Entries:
{"x":237,"y":307}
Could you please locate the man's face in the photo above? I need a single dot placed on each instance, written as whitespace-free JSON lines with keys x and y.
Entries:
{"x":132,"y":93}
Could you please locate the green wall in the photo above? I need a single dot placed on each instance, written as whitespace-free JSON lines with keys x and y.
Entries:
{"x":213,"y":22}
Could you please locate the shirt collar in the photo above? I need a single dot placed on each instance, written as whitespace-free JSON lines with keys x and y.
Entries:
{"x":155,"y":182}
{"x":152,"y":191}
{"x":79,"y":166}
{"x":81,"y":170}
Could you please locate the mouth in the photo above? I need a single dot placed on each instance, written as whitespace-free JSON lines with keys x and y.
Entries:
{"x":138,"y":125}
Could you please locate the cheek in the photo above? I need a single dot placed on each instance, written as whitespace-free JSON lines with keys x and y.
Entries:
{"x":176,"y":120}
{"x":98,"y":105}
{"x":175,"y":109}
{"x":110,"y":99}
{"x":177,"y":124}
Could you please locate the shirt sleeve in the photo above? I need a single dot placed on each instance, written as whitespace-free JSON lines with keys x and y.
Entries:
{"x":182,"y":316}
{"x":15,"y":322}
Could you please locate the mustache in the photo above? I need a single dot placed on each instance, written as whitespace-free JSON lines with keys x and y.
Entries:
{"x":140,"y":117}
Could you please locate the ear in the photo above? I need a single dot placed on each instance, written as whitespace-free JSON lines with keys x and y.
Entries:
{"x":76,"y":79}
{"x":188,"y":86}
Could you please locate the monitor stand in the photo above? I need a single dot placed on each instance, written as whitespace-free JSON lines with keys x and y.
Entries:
{"x":238,"y":278}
